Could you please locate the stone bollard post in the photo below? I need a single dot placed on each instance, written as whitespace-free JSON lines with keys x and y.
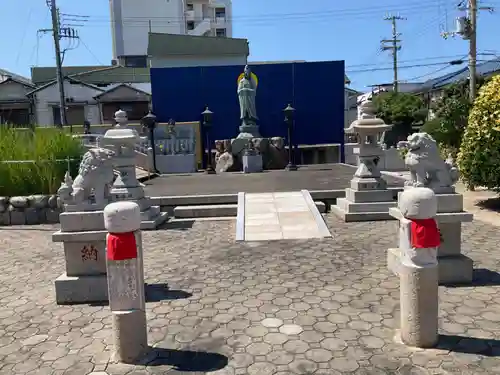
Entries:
{"x":419,"y":272}
{"x":125,"y":272}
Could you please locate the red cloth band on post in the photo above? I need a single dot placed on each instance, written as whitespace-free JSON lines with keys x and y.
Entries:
{"x":121,"y":246}
{"x":425,"y":234}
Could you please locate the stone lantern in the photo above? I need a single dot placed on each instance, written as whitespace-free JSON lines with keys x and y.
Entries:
{"x":122,"y":140}
{"x":367,"y":198}
{"x":369,"y":128}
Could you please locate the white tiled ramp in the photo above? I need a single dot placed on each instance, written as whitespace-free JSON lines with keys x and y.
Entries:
{"x":278,"y":216}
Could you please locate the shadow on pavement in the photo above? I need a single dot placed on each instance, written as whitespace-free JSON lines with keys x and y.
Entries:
{"x":480,"y":277}
{"x":469,"y":345}
{"x":160,"y":292}
{"x":188,"y":361}
{"x":492,"y":204}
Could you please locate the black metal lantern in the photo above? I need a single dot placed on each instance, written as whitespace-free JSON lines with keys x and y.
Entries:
{"x":207,"y":125}
{"x":150,"y":122}
{"x":289,"y":112}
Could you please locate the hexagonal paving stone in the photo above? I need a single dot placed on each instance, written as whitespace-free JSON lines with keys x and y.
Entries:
{"x":291,"y":329}
{"x":258,"y":348}
{"x":272,"y":323}
{"x":275,"y":338}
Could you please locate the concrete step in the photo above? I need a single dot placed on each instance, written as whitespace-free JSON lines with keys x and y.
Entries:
{"x":217,"y":211}
{"x":208,"y":210}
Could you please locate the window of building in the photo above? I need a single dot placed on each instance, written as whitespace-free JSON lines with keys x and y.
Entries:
{"x":220,"y":12}
{"x":189,"y":6}
{"x":220,"y":32}
{"x":136,"y":61}
{"x":190,"y":25}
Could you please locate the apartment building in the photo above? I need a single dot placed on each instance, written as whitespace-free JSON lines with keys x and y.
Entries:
{"x":133,"y":20}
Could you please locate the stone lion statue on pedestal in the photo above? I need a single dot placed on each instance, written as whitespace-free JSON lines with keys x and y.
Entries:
{"x":427,"y":167}
{"x":95,"y":175}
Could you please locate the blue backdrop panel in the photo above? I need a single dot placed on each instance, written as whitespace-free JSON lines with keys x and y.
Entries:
{"x":316,"y":90}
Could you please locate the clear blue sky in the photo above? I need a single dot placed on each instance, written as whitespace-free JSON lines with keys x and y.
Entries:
{"x":277,"y":30}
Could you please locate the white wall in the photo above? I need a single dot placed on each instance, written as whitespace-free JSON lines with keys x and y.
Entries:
{"x":189,"y":61}
{"x":130,"y":21}
{"x":131,"y":24}
{"x":48,"y":97}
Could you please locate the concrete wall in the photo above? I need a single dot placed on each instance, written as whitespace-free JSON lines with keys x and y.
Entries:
{"x":48,"y":97}
{"x":193,"y":61}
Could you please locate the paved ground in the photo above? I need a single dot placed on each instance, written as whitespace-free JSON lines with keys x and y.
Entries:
{"x":310,"y":177}
{"x":287,"y":307}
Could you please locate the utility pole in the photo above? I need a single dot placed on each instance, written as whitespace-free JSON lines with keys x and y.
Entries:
{"x":394,"y":46}
{"x":59,"y":74}
{"x":466,"y":27}
{"x":59,"y":32}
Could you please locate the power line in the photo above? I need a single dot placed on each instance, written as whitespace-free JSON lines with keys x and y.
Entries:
{"x":399,"y":67}
{"x":263,"y":20}
{"x":90,"y":52}
{"x":451,"y":64}
{"x":23,"y":37}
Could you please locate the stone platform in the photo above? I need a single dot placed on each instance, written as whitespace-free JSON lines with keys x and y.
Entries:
{"x":308,"y":177}
{"x":315,"y":306}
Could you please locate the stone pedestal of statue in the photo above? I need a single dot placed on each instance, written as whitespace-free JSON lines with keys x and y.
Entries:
{"x":454,"y":267}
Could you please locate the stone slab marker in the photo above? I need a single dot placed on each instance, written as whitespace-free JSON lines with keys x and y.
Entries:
{"x":125,"y":273}
{"x":419,"y":272}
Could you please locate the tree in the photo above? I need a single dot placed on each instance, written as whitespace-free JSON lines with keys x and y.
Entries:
{"x":451,"y":114}
{"x":402,"y":110}
{"x":479,"y":156}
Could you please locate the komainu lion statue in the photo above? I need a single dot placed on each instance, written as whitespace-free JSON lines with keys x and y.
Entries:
{"x":95,"y":175}
{"x":426,"y":165}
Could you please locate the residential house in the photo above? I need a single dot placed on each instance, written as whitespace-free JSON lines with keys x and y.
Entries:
{"x":433,"y":89}
{"x":80,"y":102}
{"x":15,"y":106}
{"x":92,"y":93}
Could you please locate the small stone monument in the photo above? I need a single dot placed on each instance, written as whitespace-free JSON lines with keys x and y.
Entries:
{"x":252,"y":159}
{"x":122,"y":140}
{"x":368,"y":197}
{"x":419,"y":239}
{"x":82,"y":229}
{"x":125,"y":272}
{"x":428,"y":169}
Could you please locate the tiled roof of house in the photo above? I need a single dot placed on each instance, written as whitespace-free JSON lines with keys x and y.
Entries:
{"x":483,"y":69}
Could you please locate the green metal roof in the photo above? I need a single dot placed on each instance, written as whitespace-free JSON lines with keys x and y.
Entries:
{"x":163,"y":45}
{"x":93,"y":74}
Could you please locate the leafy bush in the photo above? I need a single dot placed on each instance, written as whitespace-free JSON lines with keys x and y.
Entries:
{"x":402,"y":110}
{"x":46,"y":151}
{"x":479,"y":156}
{"x":451,"y":116}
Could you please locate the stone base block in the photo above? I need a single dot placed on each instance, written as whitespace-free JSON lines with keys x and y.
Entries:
{"x":364,"y":207}
{"x":360,"y":216}
{"x":130,"y":335}
{"x":368,"y":196}
{"x":81,"y":221}
{"x":419,"y":306}
{"x":452,"y":270}
{"x":81,"y":289}
{"x":365,"y":184}
{"x":455,"y":269}
{"x":154,"y":222}
{"x":85,"y":258}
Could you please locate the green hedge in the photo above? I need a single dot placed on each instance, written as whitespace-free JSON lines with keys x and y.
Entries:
{"x":34,"y":162}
